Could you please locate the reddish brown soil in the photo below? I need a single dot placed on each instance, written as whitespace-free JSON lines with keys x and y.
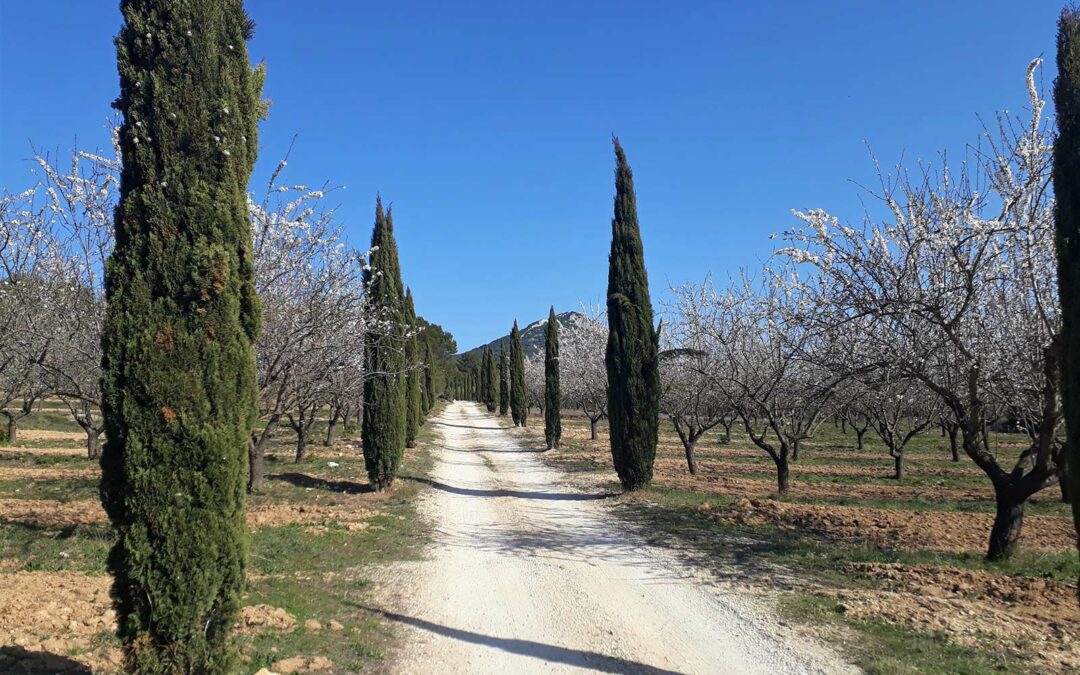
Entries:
{"x":751,"y":487}
{"x":1035,"y":619}
{"x":47,"y":473}
{"x":895,"y":529}
{"x":57,"y":613}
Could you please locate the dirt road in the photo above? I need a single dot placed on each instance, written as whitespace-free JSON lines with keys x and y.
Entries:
{"x":528,"y":575}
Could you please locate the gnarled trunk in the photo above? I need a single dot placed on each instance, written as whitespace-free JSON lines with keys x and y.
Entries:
{"x":954,"y":445}
{"x":1008,"y":522}
{"x":783,"y":474}
{"x":691,"y":460}
{"x":93,"y":443}
{"x":795,"y":450}
{"x":1063,"y":477}
{"x":301,"y":441}
{"x":898,"y":465}
{"x":256,"y":451}
{"x":859,"y":433}
{"x":593,"y":423}
{"x":331,"y":431}
{"x":12,"y":429}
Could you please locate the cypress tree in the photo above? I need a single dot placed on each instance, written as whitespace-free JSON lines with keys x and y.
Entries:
{"x":1066,"y":176}
{"x":383,"y":428}
{"x":504,"y":383}
{"x":178,"y":378}
{"x":485,"y":358}
{"x":519,"y":402}
{"x":631,"y":357}
{"x":491,"y":374}
{"x":429,"y":378}
{"x":412,"y":375}
{"x":552,"y":399}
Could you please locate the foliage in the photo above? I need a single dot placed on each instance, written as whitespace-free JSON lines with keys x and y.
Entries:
{"x":179,"y":382}
{"x":631,"y":357}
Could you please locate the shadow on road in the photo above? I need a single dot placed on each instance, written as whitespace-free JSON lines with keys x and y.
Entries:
{"x":538,"y":650}
{"x":519,"y":494}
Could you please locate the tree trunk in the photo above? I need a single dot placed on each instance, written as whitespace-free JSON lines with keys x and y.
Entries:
{"x":1063,"y":477}
{"x":795,"y":451}
{"x":843,"y":426}
{"x":898,"y":463}
{"x":954,"y":446}
{"x":12,"y":429}
{"x":783,"y":475}
{"x":256,"y":463}
{"x":301,"y":442}
{"x":331,"y":431}
{"x":1007,"y":525}
{"x":592,"y":427}
{"x":93,"y":443}
{"x":726,"y":438}
{"x":859,"y":433}
{"x":691,"y":460}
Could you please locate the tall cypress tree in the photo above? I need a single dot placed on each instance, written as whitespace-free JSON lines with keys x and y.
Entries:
{"x":1067,"y":225}
{"x":429,"y":377}
{"x":179,"y":381}
{"x":412,"y":375}
{"x":631,"y":358}
{"x":519,"y":402}
{"x":491,"y":375}
{"x":383,"y":429}
{"x":504,"y":383}
{"x":552,"y":398}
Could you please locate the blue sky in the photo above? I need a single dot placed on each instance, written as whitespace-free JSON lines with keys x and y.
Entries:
{"x":488,"y":124}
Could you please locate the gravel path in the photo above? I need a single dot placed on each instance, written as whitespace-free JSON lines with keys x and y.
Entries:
{"x":528,"y":575}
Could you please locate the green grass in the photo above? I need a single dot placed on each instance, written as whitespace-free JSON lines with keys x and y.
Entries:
{"x":63,"y":490}
{"x":317,"y":573}
{"x":886,"y":649}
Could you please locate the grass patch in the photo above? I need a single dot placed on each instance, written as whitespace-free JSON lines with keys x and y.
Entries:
{"x":886,"y":649}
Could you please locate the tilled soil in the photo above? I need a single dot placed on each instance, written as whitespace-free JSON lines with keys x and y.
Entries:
{"x":949,"y":532}
{"x":1033,"y":619}
{"x":52,"y":514}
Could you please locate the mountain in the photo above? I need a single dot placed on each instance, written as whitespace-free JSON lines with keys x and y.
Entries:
{"x":532,"y":337}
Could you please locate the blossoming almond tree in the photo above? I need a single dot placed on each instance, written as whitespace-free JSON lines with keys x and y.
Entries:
{"x":962,"y":270}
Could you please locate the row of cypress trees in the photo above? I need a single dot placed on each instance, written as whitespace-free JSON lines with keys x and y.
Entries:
{"x":399,"y":382}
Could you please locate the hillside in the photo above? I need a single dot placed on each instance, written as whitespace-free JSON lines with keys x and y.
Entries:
{"x":532,"y":336}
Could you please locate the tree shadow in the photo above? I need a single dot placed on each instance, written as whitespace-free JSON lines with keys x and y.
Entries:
{"x":467,"y":426}
{"x":537,"y":650}
{"x":14,"y":659}
{"x":305,"y":481}
{"x":518,"y":494}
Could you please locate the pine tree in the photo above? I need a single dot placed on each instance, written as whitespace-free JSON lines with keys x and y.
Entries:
{"x":412,"y":375}
{"x":1066,"y":176}
{"x":519,"y":402}
{"x":491,"y":375}
{"x":383,"y":430}
{"x":504,"y":383}
{"x":179,"y":381}
{"x":429,"y":378}
{"x":552,"y":398}
{"x":631,"y":358}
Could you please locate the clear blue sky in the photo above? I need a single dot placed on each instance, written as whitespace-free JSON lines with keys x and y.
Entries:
{"x":488,"y":124}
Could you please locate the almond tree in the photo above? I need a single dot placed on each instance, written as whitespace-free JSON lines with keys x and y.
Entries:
{"x":581,"y":357}
{"x":26,"y":252}
{"x":960,"y":278}
{"x":762,"y":360}
{"x":688,"y":397}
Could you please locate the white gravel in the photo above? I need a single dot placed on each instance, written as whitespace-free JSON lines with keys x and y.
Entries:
{"x":528,"y":575}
